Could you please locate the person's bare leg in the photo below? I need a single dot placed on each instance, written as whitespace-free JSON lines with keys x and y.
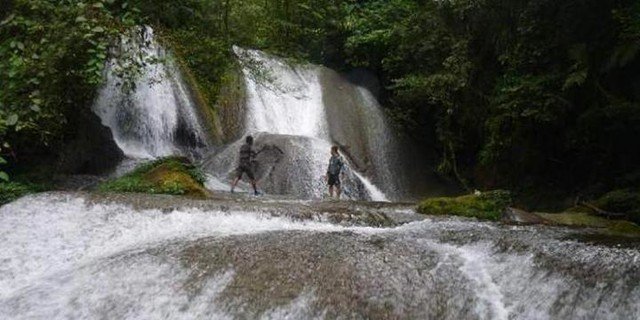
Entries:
{"x":234,"y":183}
{"x":255,"y":188}
{"x":338,"y":190}
{"x":331,"y":191}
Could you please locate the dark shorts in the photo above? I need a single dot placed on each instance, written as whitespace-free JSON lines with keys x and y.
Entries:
{"x":334,"y":180}
{"x":245,"y":169}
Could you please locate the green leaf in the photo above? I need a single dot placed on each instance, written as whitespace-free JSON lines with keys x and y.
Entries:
{"x":35,"y":108}
{"x":12,"y":119}
{"x":8,"y":19}
{"x":3,"y":161}
{"x":98,"y":5}
{"x":81,"y":19}
{"x":98,"y":29}
{"x":4,"y":176}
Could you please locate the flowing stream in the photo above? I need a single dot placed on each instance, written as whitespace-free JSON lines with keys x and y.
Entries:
{"x":79,"y":256}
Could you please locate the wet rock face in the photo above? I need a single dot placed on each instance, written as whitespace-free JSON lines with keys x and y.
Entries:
{"x":392,"y":275}
{"x":92,"y":150}
{"x":231,"y":107}
{"x":333,"y":275}
{"x":512,"y":215}
{"x":398,"y":165}
{"x":343,"y":113}
{"x":285,"y":164}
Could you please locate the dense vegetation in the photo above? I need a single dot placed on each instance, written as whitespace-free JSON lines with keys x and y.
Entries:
{"x":535,"y":95}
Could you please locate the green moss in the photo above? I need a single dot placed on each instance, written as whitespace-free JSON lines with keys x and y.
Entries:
{"x":10,"y":191}
{"x":622,"y":201}
{"x":487,"y":205}
{"x":582,"y":219}
{"x":204,"y":62}
{"x":171,"y":175}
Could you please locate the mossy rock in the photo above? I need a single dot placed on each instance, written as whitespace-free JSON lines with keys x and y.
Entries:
{"x":171,"y":175}
{"x":586,"y":220}
{"x":487,"y":205}
{"x":623,"y":201}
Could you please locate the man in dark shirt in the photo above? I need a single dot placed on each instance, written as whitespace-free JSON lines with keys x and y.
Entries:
{"x":245,"y":166}
{"x":333,"y":171}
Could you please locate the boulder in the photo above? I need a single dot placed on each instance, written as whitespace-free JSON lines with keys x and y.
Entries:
{"x":285,"y":165}
{"x":91,"y":150}
{"x":513,"y":215}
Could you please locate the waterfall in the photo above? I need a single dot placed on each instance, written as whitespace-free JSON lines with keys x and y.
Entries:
{"x":283,"y":99}
{"x":289,"y":99}
{"x":151,"y":114}
{"x":382,"y":145}
{"x":155,"y":116}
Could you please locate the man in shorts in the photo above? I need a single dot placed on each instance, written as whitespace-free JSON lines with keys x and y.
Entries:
{"x":333,"y":171}
{"x":246,"y":159}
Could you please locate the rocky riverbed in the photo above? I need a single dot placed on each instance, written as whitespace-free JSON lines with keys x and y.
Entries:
{"x":112,"y":255}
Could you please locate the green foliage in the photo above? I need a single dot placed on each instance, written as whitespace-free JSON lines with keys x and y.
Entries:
{"x":10,"y":191}
{"x":172,"y":175}
{"x":3,"y":175}
{"x":206,"y":58}
{"x":52,"y":54}
{"x":526,"y":112}
{"x":487,"y":205}
{"x":536,"y":92}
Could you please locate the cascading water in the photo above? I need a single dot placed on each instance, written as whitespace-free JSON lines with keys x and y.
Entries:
{"x":151,"y":114}
{"x":283,"y":99}
{"x":381,"y":145}
{"x":286,"y":99}
{"x":75,"y":256}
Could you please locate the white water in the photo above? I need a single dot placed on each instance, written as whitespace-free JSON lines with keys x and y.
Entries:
{"x":48,"y":234}
{"x":287,"y":99}
{"x":146,"y":119}
{"x":282,"y":98}
{"x":64,"y":257}
{"x":375,"y":193}
{"x":381,"y":144}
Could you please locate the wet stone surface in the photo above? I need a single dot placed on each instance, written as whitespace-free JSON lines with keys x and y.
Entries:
{"x":90,"y":255}
{"x":377,"y":214}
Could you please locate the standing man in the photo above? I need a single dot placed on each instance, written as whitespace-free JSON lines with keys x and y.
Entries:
{"x":246,"y":159}
{"x":334,"y":171}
